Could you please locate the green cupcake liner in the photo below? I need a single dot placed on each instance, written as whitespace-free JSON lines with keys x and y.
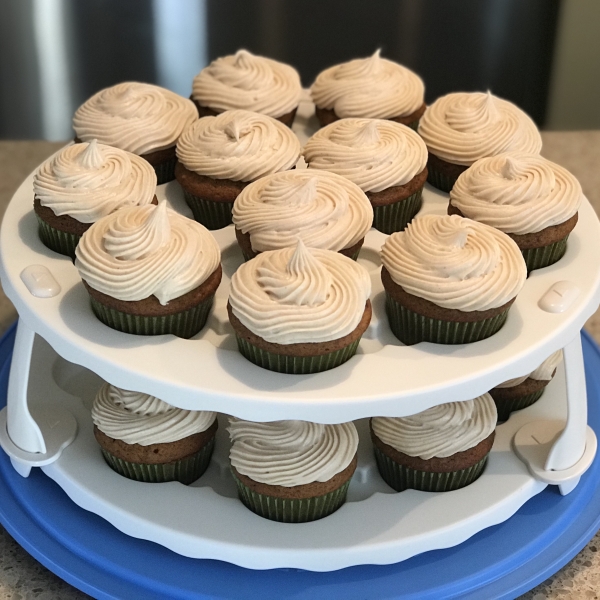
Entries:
{"x":58,"y":241}
{"x":538,"y":258}
{"x":187,"y":470}
{"x":286,"y":510}
{"x":165,"y":171}
{"x":438,"y":180}
{"x":400,"y":477}
{"x":184,"y":324}
{"x":396,"y":216}
{"x":505,"y":407}
{"x":354,"y":255}
{"x":414,"y":125}
{"x":295,"y":365}
{"x":213,"y":215}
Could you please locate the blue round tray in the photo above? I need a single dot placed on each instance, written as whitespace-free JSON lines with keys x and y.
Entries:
{"x":500,"y":562}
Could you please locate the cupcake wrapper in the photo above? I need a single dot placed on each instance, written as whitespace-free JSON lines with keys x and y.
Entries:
{"x":396,"y":216}
{"x":400,"y":477}
{"x":286,"y":510}
{"x":186,"y":470}
{"x":411,"y":328}
{"x":439,"y":180}
{"x":213,"y":215}
{"x":414,"y":125}
{"x":538,"y":258}
{"x":295,"y":365}
{"x":506,"y":407}
{"x":354,"y":255}
{"x":184,"y":324}
{"x":58,"y":241}
{"x":165,"y":171}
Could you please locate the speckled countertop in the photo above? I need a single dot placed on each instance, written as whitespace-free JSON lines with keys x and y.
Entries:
{"x":23,"y":578}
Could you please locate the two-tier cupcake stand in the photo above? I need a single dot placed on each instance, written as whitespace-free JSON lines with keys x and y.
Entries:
{"x":152,"y":540}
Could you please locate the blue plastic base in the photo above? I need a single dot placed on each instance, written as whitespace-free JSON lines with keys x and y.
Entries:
{"x":500,"y":562}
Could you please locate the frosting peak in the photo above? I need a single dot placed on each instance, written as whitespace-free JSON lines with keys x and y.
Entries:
{"x":92,"y":157}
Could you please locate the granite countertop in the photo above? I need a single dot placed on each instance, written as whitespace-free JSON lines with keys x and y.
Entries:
{"x":23,"y":578}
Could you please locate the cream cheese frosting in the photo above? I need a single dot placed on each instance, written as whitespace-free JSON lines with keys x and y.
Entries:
{"x":250,"y":82}
{"x":440,"y":431}
{"x":290,"y":453}
{"x":369,"y":87}
{"x":299,"y":295}
{"x":137,"y":117}
{"x":238,"y":145}
{"x":88,"y":181}
{"x":138,"y":252}
{"x":323,"y":209}
{"x":543,"y":373}
{"x":517,"y":193}
{"x":465,"y":126}
{"x":137,"y":418}
{"x":455,"y":263}
{"x":373,"y":153}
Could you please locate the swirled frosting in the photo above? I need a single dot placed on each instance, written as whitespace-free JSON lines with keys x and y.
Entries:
{"x":464,"y":127}
{"x":368,"y":87}
{"x":543,"y":373}
{"x":440,"y":431}
{"x":455,"y":263}
{"x":323,"y":209}
{"x":243,"y":80}
{"x":137,"y":418}
{"x":300,"y":294}
{"x":239,"y":145}
{"x":138,"y":252}
{"x":89,"y":181}
{"x":137,"y":117}
{"x":517,"y":193}
{"x":290,"y":453}
{"x":373,"y":153}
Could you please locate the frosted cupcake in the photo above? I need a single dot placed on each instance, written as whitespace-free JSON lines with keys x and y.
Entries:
{"x":146,"y":439}
{"x":299,"y":310}
{"x":463,"y":127}
{"x":322,"y":209}
{"x":292,"y":471}
{"x":243,"y":80}
{"x":218,"y":156}
{"x":141,"y":118}
{"x":531,"y":199}
{"x":521,"y":392}
{"x":372,"y":87}
{"x":386,"y":160}
{"x":449,"y":280}
{"x":440,"y":449}
{"x":83,"y":183}
{"x":150,"y":271}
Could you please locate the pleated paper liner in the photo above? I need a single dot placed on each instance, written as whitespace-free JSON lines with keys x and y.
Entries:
{"x":538,"y":258}
{"x":58,"y":241}
{"x":506,"y":407}
{"x":287,"y":510}
{"x":295,"y":365}
{"x":165,"y":171}
{"x":187,"y":470}
{"x":439,"y":180}
{"x":396,"y":216}
{"x":213,"y":215}
{"x":400,"y":477}
{"x":411,"y":328}
{"x":184,"y":324}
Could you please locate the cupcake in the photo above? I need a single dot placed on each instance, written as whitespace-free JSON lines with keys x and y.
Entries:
{"x":146,"y":439}
{"x":299,"y":310}
{"x":372,"y":87}
{"x":150,"y":271}
{"x":250,"y":82}
{"x":218,"y":156}
{"x":292,"y":471}
{"x":461,"y":128}
{"x":522,"y":392}
{"x":441,"y":449}
{"x":141,"y":118}
{"x":83,"y":183}
{"x":386,"y":160}
{"x":322,"y":209}
{"x":449,"y":280}
{"x":531,"y":199}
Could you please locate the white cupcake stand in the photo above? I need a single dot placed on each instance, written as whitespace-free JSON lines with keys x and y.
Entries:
{"x":62,"y":353}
